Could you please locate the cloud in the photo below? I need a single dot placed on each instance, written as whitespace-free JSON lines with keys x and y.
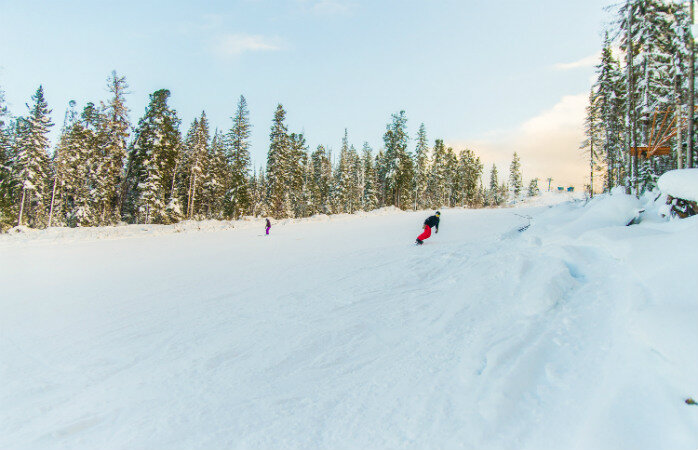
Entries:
{"x":237,"y":44}
{"x":566,"y":114}
{"x":587,"y":61}
{"x":547,"y":143}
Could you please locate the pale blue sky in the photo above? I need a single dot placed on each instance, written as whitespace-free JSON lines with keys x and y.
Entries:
{"x":473,"y":71}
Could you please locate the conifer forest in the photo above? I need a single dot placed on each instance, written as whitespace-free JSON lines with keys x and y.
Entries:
{"x":105,"y":170}
{"x":640,"y":116}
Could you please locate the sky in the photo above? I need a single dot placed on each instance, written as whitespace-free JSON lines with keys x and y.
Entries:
{"x":492,"y":76}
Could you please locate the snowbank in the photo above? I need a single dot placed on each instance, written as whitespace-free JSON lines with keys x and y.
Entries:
{"x":21,"y":235}
{"x":575,"y":219}
{"x":680,"y":183}
{"x":549,"y":198}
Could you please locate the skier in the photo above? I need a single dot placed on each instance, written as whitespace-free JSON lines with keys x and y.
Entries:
{"x":432,"y":221}
{"x":268,"y":227}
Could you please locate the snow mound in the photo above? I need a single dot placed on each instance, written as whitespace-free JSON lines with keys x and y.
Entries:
{"x":680,"y":183}
{"x":574,"y":219}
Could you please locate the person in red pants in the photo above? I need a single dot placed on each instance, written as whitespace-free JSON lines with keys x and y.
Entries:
{"x":432,"y":221}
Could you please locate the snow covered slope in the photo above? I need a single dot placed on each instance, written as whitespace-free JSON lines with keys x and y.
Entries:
{"x":339,"y":333}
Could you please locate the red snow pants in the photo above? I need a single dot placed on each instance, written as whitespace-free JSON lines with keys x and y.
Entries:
{"x":425,"y":234}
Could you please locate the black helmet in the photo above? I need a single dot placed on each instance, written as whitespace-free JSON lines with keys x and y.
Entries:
{"x":437,"y":214}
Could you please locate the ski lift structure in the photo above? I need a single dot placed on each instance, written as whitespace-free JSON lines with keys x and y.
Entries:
{"x":658,"y":142}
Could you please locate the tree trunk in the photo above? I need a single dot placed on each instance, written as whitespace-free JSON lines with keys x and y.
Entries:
{"x":591,"y":164}
{"x":53,"y":196}
{"x":21,"y":206}
{"x":691,"y":97}
{"x":193,"y":194}
{"x":631,"y":124}
{"x":677,"y":119}
{"x":174,"y":178}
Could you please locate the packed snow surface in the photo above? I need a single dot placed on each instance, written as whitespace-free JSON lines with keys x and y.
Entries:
{"x":339,"y":333}
{"x":680,"y":183}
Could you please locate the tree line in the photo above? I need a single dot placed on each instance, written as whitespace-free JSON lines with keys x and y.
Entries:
{"x":645,"y":104}
{"x":104,"y":171}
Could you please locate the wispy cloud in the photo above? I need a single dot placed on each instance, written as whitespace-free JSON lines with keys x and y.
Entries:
{"x":547,"y":143}
{"x":587,"y":61}
{"x":236,"y":44}
{"x":566,"y":114}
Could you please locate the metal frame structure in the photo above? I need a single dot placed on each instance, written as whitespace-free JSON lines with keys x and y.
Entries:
{"x":658,"y":141}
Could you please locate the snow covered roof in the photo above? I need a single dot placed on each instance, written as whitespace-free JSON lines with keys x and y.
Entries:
{"x":681,"y":183}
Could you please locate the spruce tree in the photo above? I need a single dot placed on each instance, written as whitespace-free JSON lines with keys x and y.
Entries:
{"x":503,"y":193}
{"x":214,"y":179}
{"x":278,"y":165}
{"x":452,"y":187}
{"x":343,"y":177}
{"x":321,"y":181}
{"x":399,"y":165}
{"x":369,"y":197}
{"x":381,"y":165}
{"x":116,"y":125}
{"x":7,"y":180}
{"x":593,"y":133}
{"x":32,"y":162}
{"x":258,"y":187}
{"x":298,"y":159}
{"x":74,"y":164}
{"x":494,"y":194}
{"x":533,"y":189}
{"x":349,"y":178}
{"x":515,"y":177}
{"x":482,"y":199}
{"x":607,"y":115}
{"x":238,"y":146}
{"x":195,"y":162}
{"x":470,"y":171}
{"x":62,"y":167}
{"x":92,"y":143}
{"x":421,"y":162}
{"x":438,"y":179}
{"x":356,"y":185}
{"x":155,"y":159}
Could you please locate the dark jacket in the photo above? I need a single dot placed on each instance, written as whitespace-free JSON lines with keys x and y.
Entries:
{"x":268,"y":224}
{"x":432,"y":221}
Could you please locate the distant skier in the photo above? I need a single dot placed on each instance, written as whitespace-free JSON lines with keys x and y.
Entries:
{"x":268,"y":227}
{"x":432,"y":221}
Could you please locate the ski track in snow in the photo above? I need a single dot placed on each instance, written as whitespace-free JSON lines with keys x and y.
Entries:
{"x":342,"y":334}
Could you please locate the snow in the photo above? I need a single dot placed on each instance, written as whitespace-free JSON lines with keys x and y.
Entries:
{"x":680,"y":183}
{"x":337,"y":332}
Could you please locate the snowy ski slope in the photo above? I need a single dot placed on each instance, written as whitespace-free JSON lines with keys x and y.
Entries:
{"x":340,"y":334}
